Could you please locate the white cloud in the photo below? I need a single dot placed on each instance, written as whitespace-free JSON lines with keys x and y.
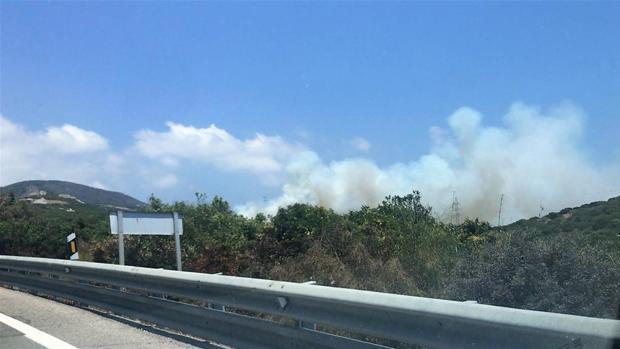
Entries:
{"x":534,"y":159}
{"x":71,"y":139}
{"x":212,"y":145}
{"x":166,"y":181}
{"x":70,"y":153}
{"x":65,"y":152}
{"x":360,"y":144}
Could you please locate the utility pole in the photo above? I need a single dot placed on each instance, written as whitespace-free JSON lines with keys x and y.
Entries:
{"x":452,"y":210}
{"x":455,"y":217}
{"x":499,"y":216}
{"x":541,"y":211}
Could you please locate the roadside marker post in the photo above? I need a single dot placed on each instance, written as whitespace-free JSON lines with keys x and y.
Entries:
{"x":72,"y":249}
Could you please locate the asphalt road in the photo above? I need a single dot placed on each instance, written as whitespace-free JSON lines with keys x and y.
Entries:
{"x":10,"y":338}
{"x":76,"y":327}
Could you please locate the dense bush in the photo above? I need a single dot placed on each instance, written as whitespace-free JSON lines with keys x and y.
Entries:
{"x":559,"y":274}
{"x":556,"y":263}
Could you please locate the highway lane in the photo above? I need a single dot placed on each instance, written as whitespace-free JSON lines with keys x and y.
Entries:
{"x":78,"y":327}
{"x":10,"y":338}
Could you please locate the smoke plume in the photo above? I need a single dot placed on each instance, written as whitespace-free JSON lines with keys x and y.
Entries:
{"x":534,"y":159}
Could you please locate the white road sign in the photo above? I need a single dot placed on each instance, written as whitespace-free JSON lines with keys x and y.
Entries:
{"x":145,"y":223}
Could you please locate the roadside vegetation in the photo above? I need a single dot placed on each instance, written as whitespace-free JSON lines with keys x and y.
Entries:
{"x":566,"y":262}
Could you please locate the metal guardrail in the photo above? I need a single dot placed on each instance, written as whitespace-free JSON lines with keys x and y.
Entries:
{"x":253,"y":313}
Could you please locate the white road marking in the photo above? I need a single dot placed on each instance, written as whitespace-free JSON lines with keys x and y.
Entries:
{"x":35,"y":335}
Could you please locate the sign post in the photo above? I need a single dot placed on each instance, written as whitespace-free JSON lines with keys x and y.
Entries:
{"x":121,"y":240}
{"x":146,"y":223}
{"x":177,"y":238}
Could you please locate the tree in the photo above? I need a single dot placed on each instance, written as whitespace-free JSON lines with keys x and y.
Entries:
{"x":297,"y":225}
{"x":155,"y":204}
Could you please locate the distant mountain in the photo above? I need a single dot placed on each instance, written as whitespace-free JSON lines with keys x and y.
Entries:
{"x":70,"y":193}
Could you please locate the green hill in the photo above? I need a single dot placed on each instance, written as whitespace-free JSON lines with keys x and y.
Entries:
{"x":598,"y":220}
{"x":71,"y":192}
{"x":566,"y":262}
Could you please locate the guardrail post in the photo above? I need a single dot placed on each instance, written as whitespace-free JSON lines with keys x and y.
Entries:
{"x":216,"y":307}
{"x":305,"y":324}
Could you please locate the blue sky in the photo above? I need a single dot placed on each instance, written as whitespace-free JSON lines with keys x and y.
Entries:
{"x":316,"y":75}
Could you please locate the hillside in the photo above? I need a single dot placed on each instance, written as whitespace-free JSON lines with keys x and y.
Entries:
{"x":61,"y":191}
{"x":599,"y":220}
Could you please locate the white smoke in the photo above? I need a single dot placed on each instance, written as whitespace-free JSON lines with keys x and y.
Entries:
{"x":535,"y":159}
